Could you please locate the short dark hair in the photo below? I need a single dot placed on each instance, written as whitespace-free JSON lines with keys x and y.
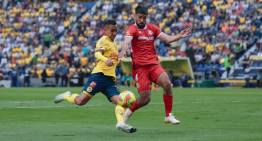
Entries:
{"x":141,"y":10}
{"x":110,"y":22}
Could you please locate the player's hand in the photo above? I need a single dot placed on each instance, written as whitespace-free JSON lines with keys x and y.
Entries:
{"x":109,"y":63}
{"x":122,"y":54}
{"x":185,"y":33}
{"x":119,"y":61}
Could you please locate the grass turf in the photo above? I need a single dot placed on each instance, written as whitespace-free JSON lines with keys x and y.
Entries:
{"x":205,"y":114}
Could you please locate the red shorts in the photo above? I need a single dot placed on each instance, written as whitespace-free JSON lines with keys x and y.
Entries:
{"x":143,"y":75}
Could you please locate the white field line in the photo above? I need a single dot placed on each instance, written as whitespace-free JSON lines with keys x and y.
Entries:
{"x":27,"y":101}
{"x":46,"y":107}
{"x":105,"y":105}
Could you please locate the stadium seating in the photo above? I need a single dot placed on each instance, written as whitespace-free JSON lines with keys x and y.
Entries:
{"x":219,"y":27}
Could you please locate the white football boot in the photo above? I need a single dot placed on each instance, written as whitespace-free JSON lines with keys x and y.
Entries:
{"x":125,"y":127}
{"x":127,"y":115}
{"x":171,"y":119}
{"x":59,"y":97}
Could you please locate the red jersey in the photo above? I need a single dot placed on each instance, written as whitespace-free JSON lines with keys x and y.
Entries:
{"x":142,"y":46}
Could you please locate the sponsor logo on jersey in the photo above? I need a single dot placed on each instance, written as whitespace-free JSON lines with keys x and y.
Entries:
{"x":114,"y":56}
{"x":145,"y":38}
{"x":150,"y":32}
{"x":93,"y":84}
{"x":139,"y":32}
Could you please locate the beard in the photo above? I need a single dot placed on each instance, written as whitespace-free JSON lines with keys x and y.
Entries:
{"x":140,"y":26}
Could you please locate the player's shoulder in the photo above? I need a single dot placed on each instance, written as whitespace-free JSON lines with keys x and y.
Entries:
{"x":101,"y":41}
{"x":103,"y":38}
{"x":132,"y":27}
{"x":149,"y":25}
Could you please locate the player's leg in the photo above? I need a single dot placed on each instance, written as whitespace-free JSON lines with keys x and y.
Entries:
{"x":90,"y":89}
{"x":141,"y":77}
{"x":161,"y":78}
{"x":112,"y":92}
{"x":73,"y":98}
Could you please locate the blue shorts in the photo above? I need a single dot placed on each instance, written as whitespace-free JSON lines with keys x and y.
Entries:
{"x":98,"y":82}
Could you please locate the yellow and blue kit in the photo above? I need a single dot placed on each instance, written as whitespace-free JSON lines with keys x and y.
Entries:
{"x":103,"y":78}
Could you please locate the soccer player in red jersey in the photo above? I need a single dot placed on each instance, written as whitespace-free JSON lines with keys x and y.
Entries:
{"x":145,"y":67}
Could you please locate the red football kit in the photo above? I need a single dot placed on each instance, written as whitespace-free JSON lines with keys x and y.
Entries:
{"x":145,"y":66}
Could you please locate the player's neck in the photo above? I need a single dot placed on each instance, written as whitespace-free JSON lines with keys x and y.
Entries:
{"x":109,"y":38}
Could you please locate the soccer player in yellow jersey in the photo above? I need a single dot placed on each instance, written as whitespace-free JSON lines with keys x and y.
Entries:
{"x":103,"y":77}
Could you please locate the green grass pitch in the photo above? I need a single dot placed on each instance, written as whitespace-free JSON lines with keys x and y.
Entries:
{"x":29,"y":114}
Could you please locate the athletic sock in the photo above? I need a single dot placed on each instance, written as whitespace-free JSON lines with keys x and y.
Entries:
{"x":119,"y":111}
{"x":70,"y":98}
{"x":168,"y":100}
{"x":135,"y":107}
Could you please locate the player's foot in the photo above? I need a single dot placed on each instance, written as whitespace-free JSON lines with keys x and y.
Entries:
{"x":152,"y":90}
{"x":157,"y":88}
{"x":125,"y":127}
{"x":127,"y":116}
{"x":59,"y":97}
{"x":171,"y":119}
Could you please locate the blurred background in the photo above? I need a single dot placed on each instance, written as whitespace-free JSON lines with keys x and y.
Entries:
{"x":51,"y":43}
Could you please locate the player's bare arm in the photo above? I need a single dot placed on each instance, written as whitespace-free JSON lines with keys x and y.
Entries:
{"x":170,"y":39}
{"x":125,"y":44}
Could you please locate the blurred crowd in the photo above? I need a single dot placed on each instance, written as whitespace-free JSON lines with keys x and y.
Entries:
{"x":33,"y":34}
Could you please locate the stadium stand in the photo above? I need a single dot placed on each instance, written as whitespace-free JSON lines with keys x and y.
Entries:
{"x":33,"y":34}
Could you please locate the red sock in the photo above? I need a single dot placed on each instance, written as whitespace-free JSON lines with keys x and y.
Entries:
{"x":168,"y":100}
{"x":135,"y":107}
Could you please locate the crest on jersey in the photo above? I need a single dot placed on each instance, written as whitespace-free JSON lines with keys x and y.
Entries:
{"x":89,"y":89}
{"x":127,"y":33}
{"x":101,"y":43}
{"x":150,"y":32}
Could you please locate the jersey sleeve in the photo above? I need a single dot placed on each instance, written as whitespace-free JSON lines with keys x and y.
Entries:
{"x":100,"y":45}
{"x":130,"y":32}
{"x":158,"y":32}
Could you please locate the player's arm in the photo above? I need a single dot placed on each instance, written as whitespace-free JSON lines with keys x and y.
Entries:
{"x":169,"y":39}
{"x":101,"y":57}
{"x":100,"y":48}
{"x":125,"y":44}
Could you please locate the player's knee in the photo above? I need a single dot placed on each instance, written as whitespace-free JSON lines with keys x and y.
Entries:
{"x":167,"y":85}
{"x":80,"y":102}
{"x":145,"y":101}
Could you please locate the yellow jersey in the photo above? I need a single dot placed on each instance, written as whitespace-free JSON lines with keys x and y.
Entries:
{"x":109,"y":50}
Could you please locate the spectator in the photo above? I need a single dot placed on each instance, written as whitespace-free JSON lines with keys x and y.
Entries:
{"x":247,"y":76}
{"x":57,"y":76}
{"x":245,"y":62}
{"x":227,"y":64}
{"x":209,"y":47}
{"x":44,"y":75}
{"x":184,"y":79}
{"x":258,"y":76}
{"x":199,"y":58}
{"x":14,"y":77}
{"x":26,"y":74}
{"x":64,"y":72}
{"x":259,"y":53}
